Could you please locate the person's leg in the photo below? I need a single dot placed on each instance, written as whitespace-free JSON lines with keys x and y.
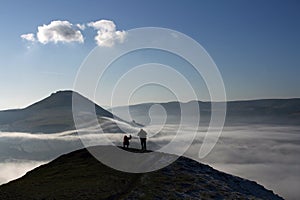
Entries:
{"x":142,"y":143}
{"x":145,"y":144}
{"x":141,"y":139}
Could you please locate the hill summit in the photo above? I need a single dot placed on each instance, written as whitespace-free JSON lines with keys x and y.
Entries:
{"x":78,"y":175}
{"x":50,"y":115}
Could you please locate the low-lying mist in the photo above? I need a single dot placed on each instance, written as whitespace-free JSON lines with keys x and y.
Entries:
{"x":12,"y":169}
{"x":266,"y":154}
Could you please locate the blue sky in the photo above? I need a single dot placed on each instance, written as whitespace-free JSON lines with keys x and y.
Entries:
{"x":255,"y":44}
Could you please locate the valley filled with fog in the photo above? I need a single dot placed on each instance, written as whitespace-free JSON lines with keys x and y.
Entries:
{"x":267,"y":154}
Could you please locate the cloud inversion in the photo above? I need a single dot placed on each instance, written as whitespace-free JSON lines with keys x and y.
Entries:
{"x":273,"y":161}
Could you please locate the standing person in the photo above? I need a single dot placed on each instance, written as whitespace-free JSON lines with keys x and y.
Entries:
{"x":143,"y":137}
{"x":126,"y":141}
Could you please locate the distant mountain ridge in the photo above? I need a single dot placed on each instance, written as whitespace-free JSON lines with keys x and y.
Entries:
{"x":79,"y":175}
{"x":268,"y":111}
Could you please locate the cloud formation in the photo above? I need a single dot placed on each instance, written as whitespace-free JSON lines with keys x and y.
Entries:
{"x":65,"y":32}
{"x":59,"y":31}
{"x":29,"y":37}
{"x":107,"y":35}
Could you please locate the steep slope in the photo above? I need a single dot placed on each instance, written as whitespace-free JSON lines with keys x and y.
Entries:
{"x":52,"y":114}
{"x":78,"y":175}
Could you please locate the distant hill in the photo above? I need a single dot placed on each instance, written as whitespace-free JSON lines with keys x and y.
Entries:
{"x":265,"y":111}
{"x":50,"y":115}
{"x":78,"y":175}
{"x":54,"y":114}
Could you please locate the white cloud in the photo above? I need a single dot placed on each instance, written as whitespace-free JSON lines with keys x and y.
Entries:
{"x":103,"y":25}
{"x":81,"y":26}
{"x":66,"y":32}
{"x":29,"y":36}
{"x":107,"y":35}
{"x":59,"y":31}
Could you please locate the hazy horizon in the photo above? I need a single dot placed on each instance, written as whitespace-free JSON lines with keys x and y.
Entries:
{"x":140,"y":103}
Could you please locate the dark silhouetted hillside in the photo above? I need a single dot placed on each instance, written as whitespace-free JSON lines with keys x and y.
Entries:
{"x":78,"y":175}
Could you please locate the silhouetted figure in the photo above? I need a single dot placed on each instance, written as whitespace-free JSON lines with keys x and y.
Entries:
{"x":126,"y":141}
{"x":143,"y":137}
